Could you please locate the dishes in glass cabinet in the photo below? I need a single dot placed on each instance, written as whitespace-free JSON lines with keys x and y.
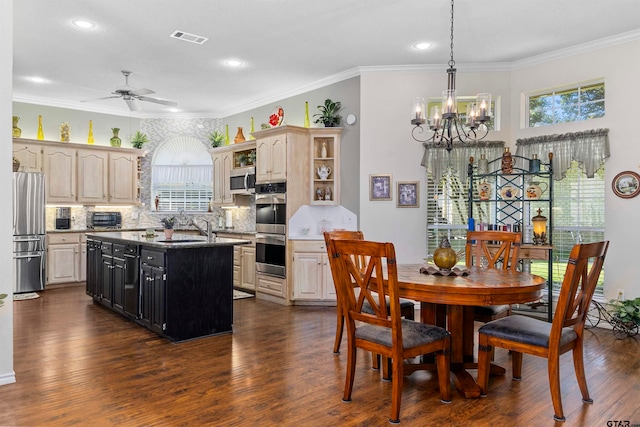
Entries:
{"x":509,"y":192}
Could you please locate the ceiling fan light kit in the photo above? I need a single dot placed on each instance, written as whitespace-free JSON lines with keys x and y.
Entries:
{"x":132,"y":95}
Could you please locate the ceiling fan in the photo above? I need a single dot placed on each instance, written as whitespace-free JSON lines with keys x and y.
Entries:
{"x":132,"y":95}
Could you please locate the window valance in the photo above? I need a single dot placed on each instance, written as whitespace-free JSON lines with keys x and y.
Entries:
{"x":590,"y":148}
{"x":437,"y":159}
{"x":185,"y":174}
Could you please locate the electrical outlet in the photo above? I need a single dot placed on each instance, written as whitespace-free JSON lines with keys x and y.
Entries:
{"x":620,"y":294}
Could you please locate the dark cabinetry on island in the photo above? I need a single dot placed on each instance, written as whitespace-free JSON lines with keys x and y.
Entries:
{"x":180,"y":291}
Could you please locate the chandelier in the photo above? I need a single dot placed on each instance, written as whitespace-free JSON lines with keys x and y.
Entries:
{"x":444,"y":121}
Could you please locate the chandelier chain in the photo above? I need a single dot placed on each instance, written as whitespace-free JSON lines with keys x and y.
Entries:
{"x":452,"y":63}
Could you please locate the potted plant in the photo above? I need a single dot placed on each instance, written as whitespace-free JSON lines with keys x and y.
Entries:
{"x":138,"y":139}
{"x":627,"y":311}
{"x":243,"y":159}
{"x":252,"y":157}
{"x":2,"y":297}
{"x":329,"y":113}
{"x":168,"y":223}
{"x":216,"y":138}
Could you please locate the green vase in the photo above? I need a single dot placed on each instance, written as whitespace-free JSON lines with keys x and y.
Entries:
{"x":115,"y":140}
{"x":16,"y":130}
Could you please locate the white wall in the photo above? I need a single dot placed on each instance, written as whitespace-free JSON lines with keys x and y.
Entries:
{"x":7,"y":374}
{"x":386,"y":147}
{"x":620,"y":68}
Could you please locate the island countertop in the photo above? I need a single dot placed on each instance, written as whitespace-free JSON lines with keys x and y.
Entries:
{"x":160,"y":241}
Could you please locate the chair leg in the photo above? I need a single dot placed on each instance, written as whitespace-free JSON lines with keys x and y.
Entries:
{"x":578,"y":365}
{"x":554,"y":386}
{"x":339,"y":330}
{"x":516,"y":361}
{"x":396,"y":388}
{"x":484,"y":361}
{"x":386,"y":368}
{"x":351,"y":372}
{"x":444,"y":374}
{"x":375,"y":361}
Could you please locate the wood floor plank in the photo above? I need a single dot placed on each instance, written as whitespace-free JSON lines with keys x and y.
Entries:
{"x":76,"y":363}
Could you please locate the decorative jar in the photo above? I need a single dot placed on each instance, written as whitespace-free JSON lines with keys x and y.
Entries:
{"x":444,"y":256}
{"x":239,"y":136}
{"x":65,"y":133}
{"x":16,"y":130}
{"x":115,"y":141}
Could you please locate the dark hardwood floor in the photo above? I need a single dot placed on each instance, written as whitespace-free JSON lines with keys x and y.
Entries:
{"x":79,"y":364}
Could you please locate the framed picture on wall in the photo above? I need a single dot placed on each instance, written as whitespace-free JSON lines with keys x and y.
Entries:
{"x":380,"y":187}
{"x":408,"y":194}
{"x":626,"y":184}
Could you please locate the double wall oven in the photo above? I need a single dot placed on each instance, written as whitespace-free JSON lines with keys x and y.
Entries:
{"x":271,"y":237}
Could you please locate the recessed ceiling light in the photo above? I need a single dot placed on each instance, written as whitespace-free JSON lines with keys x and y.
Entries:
{"x":234,"y":63}
{"x":422,"y":45}
{"x":81,"y":23}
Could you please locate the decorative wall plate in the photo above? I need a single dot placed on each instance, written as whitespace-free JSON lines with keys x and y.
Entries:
{"x":626,"y":184}
{"x":509,"y":192}
{"x":276,"y":117}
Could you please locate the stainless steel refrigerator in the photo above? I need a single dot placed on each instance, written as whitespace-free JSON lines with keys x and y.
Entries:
{"x":28,"y":232}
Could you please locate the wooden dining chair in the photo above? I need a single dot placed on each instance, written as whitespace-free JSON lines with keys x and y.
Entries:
{"x":383,"y":331}
{"x":522,"y":334}
{"x":492,"y":249}
{"x":407,"y":307}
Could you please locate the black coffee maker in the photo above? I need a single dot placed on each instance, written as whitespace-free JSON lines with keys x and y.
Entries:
{"x":63,"y":218}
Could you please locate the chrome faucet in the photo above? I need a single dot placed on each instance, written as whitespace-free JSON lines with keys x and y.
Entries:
{"x":207,"y":232}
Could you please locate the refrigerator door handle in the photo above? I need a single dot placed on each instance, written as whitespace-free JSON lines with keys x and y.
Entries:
{"x":27,"y":256}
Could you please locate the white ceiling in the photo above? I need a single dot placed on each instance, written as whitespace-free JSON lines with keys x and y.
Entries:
{"x":287,"y":46}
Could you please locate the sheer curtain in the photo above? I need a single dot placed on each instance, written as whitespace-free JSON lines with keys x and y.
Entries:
{"x":590,"y":148}
{"x":185,"y":174}
{"x":437,"y":160}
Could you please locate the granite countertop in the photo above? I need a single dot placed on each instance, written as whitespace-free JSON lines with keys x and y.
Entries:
{"x":160,"y":241}
{"x":158,"y":229}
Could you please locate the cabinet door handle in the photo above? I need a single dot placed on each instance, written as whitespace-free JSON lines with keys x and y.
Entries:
{"x":149,"y":258}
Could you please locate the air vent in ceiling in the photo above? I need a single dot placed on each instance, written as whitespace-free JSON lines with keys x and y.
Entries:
{"x":181,"y":35}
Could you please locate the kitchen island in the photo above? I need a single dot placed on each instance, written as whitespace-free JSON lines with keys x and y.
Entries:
{"x":179,"y":288}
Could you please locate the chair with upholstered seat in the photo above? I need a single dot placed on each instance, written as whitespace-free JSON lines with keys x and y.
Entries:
{"x":407,"y":307}
{"x":382,"y":331}
{"x":522,"y":334}
{"x":492,"y":249}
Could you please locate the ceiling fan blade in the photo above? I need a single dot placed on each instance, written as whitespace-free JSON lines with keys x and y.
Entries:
{"x":158,"y":101}
{"x":143,"y":91}
{"x":99,"y":99}
{"x":133,"y":104}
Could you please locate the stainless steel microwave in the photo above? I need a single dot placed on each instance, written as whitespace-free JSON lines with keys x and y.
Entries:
{"x":104,"y":220}
{"x":243,"y":180}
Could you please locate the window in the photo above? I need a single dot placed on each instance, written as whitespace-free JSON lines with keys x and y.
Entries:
{"x":568,"y":104}
{"x":182,"y":176}
{"x":578,"y":215}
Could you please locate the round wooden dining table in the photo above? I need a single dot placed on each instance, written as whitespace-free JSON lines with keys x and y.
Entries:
{"x":448,"y":301}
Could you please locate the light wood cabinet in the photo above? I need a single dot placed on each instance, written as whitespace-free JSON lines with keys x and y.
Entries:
{"x":271,"y":286}
{"x":325,"y":166}
{"x":222,"y":164}
{"x":66,"y":258}
{"x":244,"y":262}
{"x":60,"y":171}
{"x":84,"y":174}
{"x":93,"y":173}
{"x":271,"y":158}
{"x":312,"y":278}
{"x":30,"y":157}
{"x":123,"y":178}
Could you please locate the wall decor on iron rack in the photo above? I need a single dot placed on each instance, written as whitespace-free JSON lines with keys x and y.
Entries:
{"x":626,"y":184}
{"x":380,"y":187}
{"x":408,"y":194}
